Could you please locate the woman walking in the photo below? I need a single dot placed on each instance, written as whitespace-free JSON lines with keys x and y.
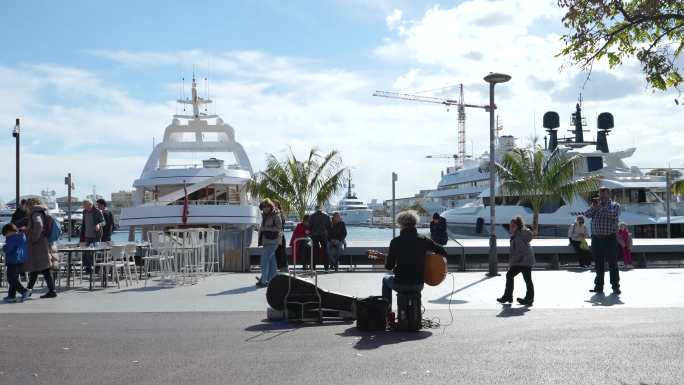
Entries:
{"x":39,"y":253}
{"x":521,"y":261}
{"x":578,"y":234}
{"x":270,"y":234}
{"x":624,"y":239}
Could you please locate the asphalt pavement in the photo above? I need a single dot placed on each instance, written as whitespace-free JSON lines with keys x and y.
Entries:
{"x":506,"y":345}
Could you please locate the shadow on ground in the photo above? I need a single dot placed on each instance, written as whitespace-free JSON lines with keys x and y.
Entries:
{"x":446,"y":299}
{"x":239,"y":290}
{"x":509,"y":311}
{"x":600,"y":299}
{"x":374,"y":340}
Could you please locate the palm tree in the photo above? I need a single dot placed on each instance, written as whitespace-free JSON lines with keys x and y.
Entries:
{"x":299,"y":184}
{"x":537,"y":178}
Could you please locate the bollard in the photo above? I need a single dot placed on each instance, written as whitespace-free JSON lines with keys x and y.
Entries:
{"x":642,"y":261}
{"x":555,"y":262}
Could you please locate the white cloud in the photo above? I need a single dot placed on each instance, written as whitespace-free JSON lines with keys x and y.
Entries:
{"x":393,"y":20}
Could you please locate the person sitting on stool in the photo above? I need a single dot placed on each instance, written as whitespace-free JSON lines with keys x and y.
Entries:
{"x":406,"y":257}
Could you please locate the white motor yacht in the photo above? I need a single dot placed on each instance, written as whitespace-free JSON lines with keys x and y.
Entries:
{"x":354,"y":211}
{"x":196,"y":177}
{"x":641,"y":196}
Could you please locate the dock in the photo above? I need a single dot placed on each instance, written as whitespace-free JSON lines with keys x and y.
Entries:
{"x":473,"y":253}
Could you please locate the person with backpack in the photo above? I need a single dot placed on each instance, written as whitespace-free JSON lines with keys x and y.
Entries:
{"x":91,"y":230}
{"x":39,"y":253}
{"x":15,"y":255}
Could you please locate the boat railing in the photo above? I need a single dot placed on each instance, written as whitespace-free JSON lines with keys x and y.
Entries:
{"x":197,"y":203}
{"x":199,"y":165}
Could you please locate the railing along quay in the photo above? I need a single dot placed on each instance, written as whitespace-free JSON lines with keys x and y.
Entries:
{"x":552,"y":253}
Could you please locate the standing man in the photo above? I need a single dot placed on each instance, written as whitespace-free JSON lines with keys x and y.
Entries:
{"x":91,"y":230}
{"x":319,"y":223}
{"x":605,"y":215}
{"x":109,"y":226}
{"x":438,"y":229}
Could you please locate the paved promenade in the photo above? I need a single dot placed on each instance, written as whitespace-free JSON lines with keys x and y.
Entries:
{"x":214,"y":333}
{"x":563,"y":289}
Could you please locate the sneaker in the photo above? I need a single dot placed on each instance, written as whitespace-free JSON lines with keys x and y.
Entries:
{"x":617,"y":291}
{"x":28,"y":293}
{"x":49,"y":294}
{"x":524,"y":301}
{"x":504,"y":300}
{"x":10,"y":300}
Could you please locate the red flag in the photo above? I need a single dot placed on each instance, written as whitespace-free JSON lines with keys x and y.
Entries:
{"x":184,"y":215}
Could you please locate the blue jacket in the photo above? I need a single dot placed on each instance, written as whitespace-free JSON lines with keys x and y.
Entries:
{"x":15,"y":249}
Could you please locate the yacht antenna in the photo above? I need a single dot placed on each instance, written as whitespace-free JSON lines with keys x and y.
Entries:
{"x":183,"y":91}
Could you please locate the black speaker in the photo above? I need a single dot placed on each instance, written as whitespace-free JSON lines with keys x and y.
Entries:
{"x":371,"y":314}
{"x":479,"y":225}
{"x":605,"y":121}
{"x":551,"y":120}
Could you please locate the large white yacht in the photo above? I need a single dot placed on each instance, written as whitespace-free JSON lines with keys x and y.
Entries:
{"x":465,"y":192}
{"x":354,"y":211}
{"x":200,"y":159}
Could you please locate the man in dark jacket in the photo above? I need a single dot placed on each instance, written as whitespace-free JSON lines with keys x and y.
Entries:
{"x":438,"y":229}
{"x":20,"y":215}
{"x":319,"y":223}
{"x":406,"y":258}
{"x":91,"y":230}
{"x":109,"y":226}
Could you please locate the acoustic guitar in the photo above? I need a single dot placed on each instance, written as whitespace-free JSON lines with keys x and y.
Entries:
{"x":436,"y":267}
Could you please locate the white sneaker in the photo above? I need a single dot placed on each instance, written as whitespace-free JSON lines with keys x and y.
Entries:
{"x":26,"y":294}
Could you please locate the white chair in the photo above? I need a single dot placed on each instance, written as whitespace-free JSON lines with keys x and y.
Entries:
{"x":114,"y":260}
{"x":129,"y":260}
{"x":159,"y":252}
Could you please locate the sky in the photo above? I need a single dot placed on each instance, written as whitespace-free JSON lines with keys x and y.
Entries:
{"x":94,"y":84}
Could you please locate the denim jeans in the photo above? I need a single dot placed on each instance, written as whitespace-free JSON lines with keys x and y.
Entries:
{"x":388,"y":285}
{"x":268,"y":263}
{"x":335,"y":249}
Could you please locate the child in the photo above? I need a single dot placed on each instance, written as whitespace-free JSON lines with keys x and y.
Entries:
{"x":624,"y":238}
{"x":15,"y":255}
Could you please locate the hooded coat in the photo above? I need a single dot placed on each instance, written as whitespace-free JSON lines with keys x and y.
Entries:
{"x":39,"y":255}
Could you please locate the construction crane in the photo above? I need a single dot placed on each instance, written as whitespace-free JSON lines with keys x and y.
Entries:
{"x":447,"y":102}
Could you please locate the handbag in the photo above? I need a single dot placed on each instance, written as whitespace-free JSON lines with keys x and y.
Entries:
{"x":584,"y":245}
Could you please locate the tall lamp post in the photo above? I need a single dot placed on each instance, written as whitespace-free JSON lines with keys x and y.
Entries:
{"x":493,"y":79}
{"x":15,"y":134}
{"x":394,"y":207}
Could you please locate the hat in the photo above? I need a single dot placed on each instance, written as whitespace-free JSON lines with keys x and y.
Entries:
{"x":435,"y":216}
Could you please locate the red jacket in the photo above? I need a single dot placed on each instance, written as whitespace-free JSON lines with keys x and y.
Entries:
{"x":300,"y":231}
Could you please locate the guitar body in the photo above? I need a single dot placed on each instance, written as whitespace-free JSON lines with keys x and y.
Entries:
{"x":436,"y":267}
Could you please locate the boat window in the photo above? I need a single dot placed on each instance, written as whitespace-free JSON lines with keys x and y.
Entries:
{"x":194,"y":159}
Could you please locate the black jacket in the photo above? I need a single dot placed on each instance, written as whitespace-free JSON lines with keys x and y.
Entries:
{"x":319,"y":223}
{"x":438,"y":231}
{"x":338,"y":231}
{"x":407,"y":256}
{"x":20,"y":217}
{"x":109,"y":226}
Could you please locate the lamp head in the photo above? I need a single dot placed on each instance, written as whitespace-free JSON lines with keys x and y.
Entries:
{"x":494,"y":78}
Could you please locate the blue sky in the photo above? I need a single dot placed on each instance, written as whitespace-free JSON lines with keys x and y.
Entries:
{"x":95,"y":82}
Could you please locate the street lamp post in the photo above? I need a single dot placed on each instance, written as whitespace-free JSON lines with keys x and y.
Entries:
{"x":493,"y":79}
{"x":15,"y":134}
{"x":70,"y":186}
{"x":394,"y":207}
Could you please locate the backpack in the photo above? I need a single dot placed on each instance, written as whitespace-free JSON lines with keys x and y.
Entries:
{"x":51,"y":228}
